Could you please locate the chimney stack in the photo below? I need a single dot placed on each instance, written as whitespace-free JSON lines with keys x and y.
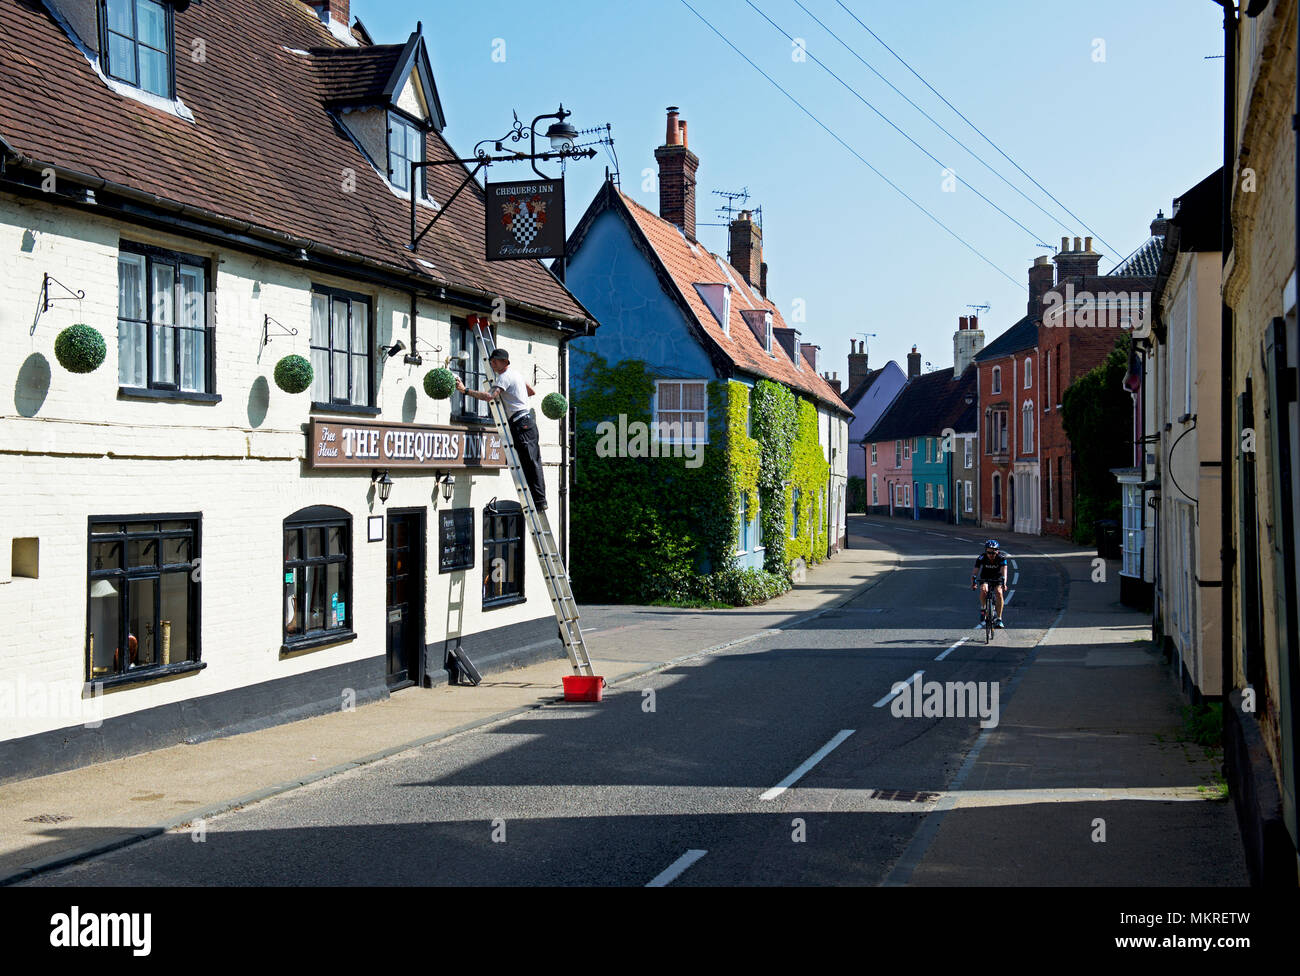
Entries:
{"x":1041,"y":278}
{"x":677,"y":166}
{"x":967,"y":341}
{"x":335,"y":10}
{"x":746,"y":250}
{"x":858,"y":368}
{"x":913,"y":364}
{"x":1076,"y":262}
{"x":833,"y":381}
{"x":1159,"y":226}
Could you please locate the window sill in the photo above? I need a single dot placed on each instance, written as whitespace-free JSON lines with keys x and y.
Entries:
{"x":147,"y":675}
{"x":184,"y":396}
{"x":351,"y":408}
{"x":323,"y":639}
{"x":508,"y":601}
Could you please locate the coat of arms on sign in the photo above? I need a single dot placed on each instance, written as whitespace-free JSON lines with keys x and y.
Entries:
{"x":524,"y":218}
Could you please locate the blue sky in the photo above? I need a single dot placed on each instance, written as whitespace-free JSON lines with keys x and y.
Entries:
{"x":1111,"y":105}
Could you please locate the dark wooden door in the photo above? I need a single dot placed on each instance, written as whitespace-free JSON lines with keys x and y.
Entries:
{"x":404,"y":605}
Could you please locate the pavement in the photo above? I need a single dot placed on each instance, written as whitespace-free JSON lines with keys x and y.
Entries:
{"x":1089,"y":731}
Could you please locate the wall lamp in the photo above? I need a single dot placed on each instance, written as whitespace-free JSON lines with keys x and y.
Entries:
{"x":448,"y":482}
{"x":394,"y":349}
{"x":383,"y":484}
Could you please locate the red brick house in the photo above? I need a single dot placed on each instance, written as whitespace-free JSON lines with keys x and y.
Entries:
{"x":1083,"y":316}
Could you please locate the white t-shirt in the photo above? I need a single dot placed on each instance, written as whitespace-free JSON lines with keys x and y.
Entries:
{"x":514,"y":394}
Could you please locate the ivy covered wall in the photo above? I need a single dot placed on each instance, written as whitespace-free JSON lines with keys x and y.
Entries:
{"x":649,"y":528}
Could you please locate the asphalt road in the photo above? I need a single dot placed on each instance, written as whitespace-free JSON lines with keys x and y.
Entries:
{"x":691,"y":759}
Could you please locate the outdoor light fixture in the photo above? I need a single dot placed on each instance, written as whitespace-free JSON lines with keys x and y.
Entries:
{"x":383,"y":484}
{"x":970,"y":398}
{"x":561,"y":134}
{"x":394,"y":349}
{"x":448,"y":482}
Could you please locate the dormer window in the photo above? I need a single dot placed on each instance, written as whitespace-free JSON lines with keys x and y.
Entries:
{"x":138,"y":44}
{"x":405,"y":146}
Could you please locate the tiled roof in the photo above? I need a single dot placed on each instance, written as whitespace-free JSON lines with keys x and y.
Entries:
{"x":356,"y":75}
{"x":262,"y":149}
{"x":1023,"y":335}
{"x":688,"y":264}
{"x":926,"y":405}
{"x":1142,"y":263}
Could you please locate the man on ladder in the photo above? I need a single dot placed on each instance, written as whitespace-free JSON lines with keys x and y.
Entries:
{"x":513,"y":392}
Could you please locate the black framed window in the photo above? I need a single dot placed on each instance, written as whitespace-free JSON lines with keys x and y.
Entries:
{"x":405,"y":146}
{"x":317,"y":577}
{"x":164,"y":333}
{"x":503,"y":553}
{"x":137,"y":42}
{"x":341,"y":356}
{"x":473,"y":372}
{"x":142,"y":594}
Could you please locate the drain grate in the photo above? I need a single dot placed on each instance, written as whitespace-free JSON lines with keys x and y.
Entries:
{"x":48,"y":818}
{"x":904,"y":796}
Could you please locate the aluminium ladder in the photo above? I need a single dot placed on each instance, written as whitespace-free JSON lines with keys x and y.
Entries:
{"x":553,"y":569}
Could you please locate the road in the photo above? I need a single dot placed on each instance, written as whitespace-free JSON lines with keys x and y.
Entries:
{"x":777,"y":761}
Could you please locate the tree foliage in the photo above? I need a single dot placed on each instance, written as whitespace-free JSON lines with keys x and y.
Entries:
{"x":1097,"y":414}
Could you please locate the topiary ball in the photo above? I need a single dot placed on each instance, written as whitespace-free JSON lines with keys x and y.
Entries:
{"x":440,"y":383}
{"x":80,"y":349}
{"x":293,"y":374}
{"x":554,"y":406}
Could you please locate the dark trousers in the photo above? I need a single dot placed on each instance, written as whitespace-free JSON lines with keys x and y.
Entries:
{"x":524,"y":432}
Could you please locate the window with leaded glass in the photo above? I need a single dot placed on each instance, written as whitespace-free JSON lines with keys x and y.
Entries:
{"x":317,"y":577}
{"x":340,"y":349}
{"x":142,"y":594}
{"x":164,"y":335}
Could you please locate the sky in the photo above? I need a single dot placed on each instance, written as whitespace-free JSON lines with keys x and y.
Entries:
{"x":1114,"y":107}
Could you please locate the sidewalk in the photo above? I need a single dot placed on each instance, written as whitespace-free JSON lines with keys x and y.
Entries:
{"x":97,"y":808}
{"x":1088,"y":779}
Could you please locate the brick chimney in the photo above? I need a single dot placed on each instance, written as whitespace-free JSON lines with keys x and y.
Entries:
{"x":1077,"y":261}
{"x":335,"y":10}
{"x":913,"y":364}
{"x":833,"y":381}
{"x":858,"y":368}
{"x":1041,"y":275}
{"x":762,"y":279}
{"x":966,"y":342}
{"x":677,"y":166}
{"x":746,"y":249}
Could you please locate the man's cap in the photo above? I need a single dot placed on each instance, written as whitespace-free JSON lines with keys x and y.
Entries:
{"x":499,"y":353}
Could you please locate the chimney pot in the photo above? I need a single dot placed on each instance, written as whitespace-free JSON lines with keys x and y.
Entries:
{"x":1065,"y":243}
{"x":674,"y":137}
{"x":681,"y":127}
{"x":1077,"y":242}
{"x":974,"y":322}
{"x":1087,"y":243}
{"x":961,"y":324}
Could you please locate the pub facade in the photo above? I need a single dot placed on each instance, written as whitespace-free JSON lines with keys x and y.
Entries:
{"x":187,"y":548}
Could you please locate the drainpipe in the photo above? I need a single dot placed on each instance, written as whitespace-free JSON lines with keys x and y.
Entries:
{"x":1227,"y":440}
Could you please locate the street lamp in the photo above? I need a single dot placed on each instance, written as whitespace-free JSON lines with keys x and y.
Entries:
{"x":383,"y":483}
{"x":562,"y":135}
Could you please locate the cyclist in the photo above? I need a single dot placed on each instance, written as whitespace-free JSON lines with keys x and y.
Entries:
{"x":991,"y":569}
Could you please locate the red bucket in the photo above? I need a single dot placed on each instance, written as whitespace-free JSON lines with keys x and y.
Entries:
{"x":582,"y":687}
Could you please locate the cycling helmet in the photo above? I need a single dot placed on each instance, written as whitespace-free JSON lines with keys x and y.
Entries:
{"x":991,"y":544}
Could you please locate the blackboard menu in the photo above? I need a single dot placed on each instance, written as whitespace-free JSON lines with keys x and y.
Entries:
{"x":455,"y":539}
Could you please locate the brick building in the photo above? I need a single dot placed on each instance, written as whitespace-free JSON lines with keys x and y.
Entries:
{"x":1084,"y":314}
{"x":189,"y":548}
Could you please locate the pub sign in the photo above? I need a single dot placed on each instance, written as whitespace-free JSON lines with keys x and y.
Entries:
{"x":525,"y":220}
{"x":338,"y":444}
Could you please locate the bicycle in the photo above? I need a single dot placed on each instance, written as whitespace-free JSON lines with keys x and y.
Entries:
{"x":989,"y":617}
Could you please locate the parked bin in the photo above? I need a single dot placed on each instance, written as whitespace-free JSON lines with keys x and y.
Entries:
{"x":1109,"y":544}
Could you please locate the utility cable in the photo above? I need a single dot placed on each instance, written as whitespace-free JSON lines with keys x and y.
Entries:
{"x":799,"y":105}
{"x":973,"y":125}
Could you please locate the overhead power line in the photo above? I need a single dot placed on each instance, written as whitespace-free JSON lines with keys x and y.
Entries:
{"x":834,"y":135}
{"x":974,"y":126}
{"x":937,"y":124}
{"x":858,"y":95}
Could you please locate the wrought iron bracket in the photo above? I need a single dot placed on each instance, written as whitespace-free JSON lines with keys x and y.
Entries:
{"x":284,"y":330}
{"x":47,"y":300}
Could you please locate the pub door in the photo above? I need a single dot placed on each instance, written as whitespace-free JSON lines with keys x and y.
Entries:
{"x":404,"y":605}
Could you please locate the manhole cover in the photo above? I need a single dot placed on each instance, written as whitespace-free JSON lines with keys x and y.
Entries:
{"x":48,"y":818}
{"x":904,"y":796}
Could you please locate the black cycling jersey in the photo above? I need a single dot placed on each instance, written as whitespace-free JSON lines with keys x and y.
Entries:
{"x":989,"y":570}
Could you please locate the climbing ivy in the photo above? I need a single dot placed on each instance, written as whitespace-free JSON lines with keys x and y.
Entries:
{"x":654,"y":528}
